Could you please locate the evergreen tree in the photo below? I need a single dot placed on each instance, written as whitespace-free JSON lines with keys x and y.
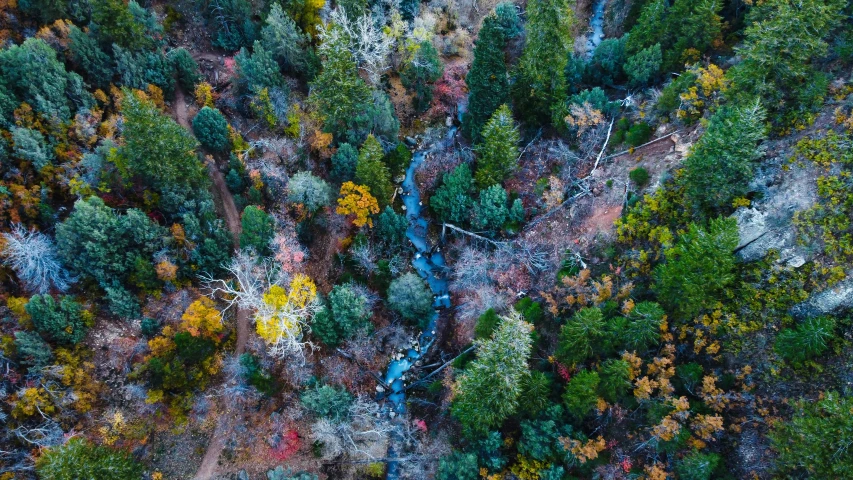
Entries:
{"x":606,"y":65}
{"x":421,"y":72}
{"x":458,"y":466}
{"x":372,"y":172}
{"x":157,"y":150}
{"x":60,"y":322}
{"x":497,"y":154}
{"x":79,"y":459}
{"x":391,"y":228}
{"x":808,"y":340}
{"x":139,"y":69}
{"x":644,"y":67}
{"x":101,"y":244}
{"x":409,"y":296}
{"x":698,"y":268}
{"x":258,"y":70}
{"x":720,"y":165}
{"x":541,"y":83}
{"x":257,"y":231}
{"x":211,"y":129}
{"x":489,"y":388}
{"x":491,"y":212}
{"x":580,"y":336}
{"x":232,"y":20}
{"x":777,"y":63}
{"x":327,"y":401}
{"x":287,"y":43}
{"x":32,"y":73}
{"x":581,"y":393}
{"x":344,"y":162}
{"x":32,"y":351}
{"x":487,"y":81}
{"x":339,"y":93}
{"x":115,"y":24}
{"x":89,"y":57}
{"x":186,"y":68}
{"x":311,"y":191}
{"x":452,"y":200}
{"x":348,"y":312}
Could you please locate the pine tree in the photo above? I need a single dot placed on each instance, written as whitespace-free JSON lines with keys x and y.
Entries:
{"x":452,"y":200}
{"x":490,"y":387}
{"x":311,"y":191}
{"x":698,"y":268}
{"x":344,"y":162}
{"x":286,"y":41}
{"x":258,"y":70}
{"x":487,"y":81}
{"x":257,"y":230}
{"x":498,"y":152}
{"x":372,"y":172}
{"x":339,"y":93}
{"x":491,"y":212}
{"x":549,"y":41}
{"x":720,"y":166}
{"x":211,"y":129}
{"x":409,"y":296}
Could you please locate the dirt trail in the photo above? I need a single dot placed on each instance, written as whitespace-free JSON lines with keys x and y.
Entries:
{"x":224,"y":199}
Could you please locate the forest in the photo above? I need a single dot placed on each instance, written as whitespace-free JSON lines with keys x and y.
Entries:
{"x":426,"y":239}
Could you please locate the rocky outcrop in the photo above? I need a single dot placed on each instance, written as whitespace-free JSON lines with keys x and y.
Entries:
{"x":768,"y":223}
{"x":832,"y":300}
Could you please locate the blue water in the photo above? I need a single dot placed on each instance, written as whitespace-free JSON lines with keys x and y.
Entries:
{"x":430,"y":264}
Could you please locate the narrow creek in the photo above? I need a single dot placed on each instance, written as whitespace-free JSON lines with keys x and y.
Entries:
{"x":595,"y":34}
{"x":430,"y":264}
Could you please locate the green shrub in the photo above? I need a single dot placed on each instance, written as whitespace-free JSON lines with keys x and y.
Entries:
{"x":807,"y":341}
{"x":59,"y":322}
{"x":32,"y":351}
{"x":409,"y":296}
{"x":532,"y":311}
{"x":79,"y":459}
{"x":327,"y":401}
{"x":256,"y":375}
{"x":638,"y":134}
{"x":815,"y":442}
{"x":581,"y":393}
{"x":580,"y":335}
{"x":211,"y":129}
{"x":535,"y":392}
{"x":149,"y":327}
{"x":697,"y":466}
{"x":643,"y":329}
{"x":640,"y":176}
{"x":486,"y":324}
{"x":458,"y":466}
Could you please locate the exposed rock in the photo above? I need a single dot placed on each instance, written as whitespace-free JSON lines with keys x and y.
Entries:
{"x":831,"y":300}
{"x":768,"y":223}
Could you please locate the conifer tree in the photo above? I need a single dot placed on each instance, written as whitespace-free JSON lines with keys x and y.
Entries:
{"x":490,"y":387}
{"x":549,"y":41}
{"x":420,"y":74}
{"x":498,"y":151}
{"x":452,"y":200}
{"x":720,"y":166}
{"x":488,"y":85}
{"x":372,"y":172}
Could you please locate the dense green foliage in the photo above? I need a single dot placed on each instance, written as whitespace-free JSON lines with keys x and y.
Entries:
{"x":409,"y":296}
{"x":61,"y":322}
{"x":347,"y":312}
{"x":79,"y":459}
{"x":372,"y":172}
{"x":257,"y":230}
{"x":211,"y":129}
{"x":498,"y":151}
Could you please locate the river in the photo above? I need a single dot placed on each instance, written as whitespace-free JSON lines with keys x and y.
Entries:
{"x":595,"y":34}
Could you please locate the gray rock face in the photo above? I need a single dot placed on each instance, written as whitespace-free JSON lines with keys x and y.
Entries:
{"x":831,"y":300}
{"x":768,"y":223}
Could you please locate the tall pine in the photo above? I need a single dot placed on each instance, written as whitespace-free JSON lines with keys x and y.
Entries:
{"x":372,"y":172}
{"x":490,"y":387}
{"x":541,"y":83}
{"x":498,"y":151}
{"x":488,"y":85}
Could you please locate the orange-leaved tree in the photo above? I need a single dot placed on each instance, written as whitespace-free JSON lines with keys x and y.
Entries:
{"x":357,"y":200}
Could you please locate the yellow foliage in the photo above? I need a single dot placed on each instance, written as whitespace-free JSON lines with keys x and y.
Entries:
{"x":154,"y":396}
{"x":357,"y":200}
{"x":17,"y":305}
{"x":166,"y":271}
{"x":655,"y":472}
{"x":204,"y":95}
{"x":155,"y":93}
{"x":667,"y":429}
{"x":78,"y":373}
{"x":584,"y":452}
{"x":31,"y":401}
{"x":283,"y":317}
{"x":203,"y":319}
{"x":706,"y":426}
{"x":527,"y":468}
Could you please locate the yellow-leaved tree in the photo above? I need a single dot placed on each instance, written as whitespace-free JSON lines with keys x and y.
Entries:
{"x":357,"y":200}
{"x":282,"y":317}
{"x":202,"y":319}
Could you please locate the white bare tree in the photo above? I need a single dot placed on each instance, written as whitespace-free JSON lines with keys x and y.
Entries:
{"x":32,"y":255}
{"x":363,"y":433}
{"x":282,"y":316}
{"x":369,"y":45}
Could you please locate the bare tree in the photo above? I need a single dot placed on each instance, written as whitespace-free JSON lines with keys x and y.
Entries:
{"x":369,"y":45}
{"x":364,"y":433}
{"x":32,"y":255}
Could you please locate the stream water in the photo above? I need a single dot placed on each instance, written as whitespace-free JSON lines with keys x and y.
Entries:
{"x":430,"y":264}
{"x":595,"y":34}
